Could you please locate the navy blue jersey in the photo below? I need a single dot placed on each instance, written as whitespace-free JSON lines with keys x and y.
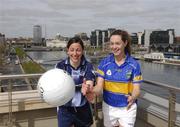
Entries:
{"x":84,"y":71}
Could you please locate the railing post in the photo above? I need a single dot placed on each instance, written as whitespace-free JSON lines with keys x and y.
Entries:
{"x":95,"y":113}
{"x":0,"y":84}
{"x":172,"y":113}
{"x":10,"y":122}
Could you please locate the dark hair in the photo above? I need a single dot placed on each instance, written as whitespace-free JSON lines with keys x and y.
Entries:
{"x":75,"y":40}
{"x":125,"y":37}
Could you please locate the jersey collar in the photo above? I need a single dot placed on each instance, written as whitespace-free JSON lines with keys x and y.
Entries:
{"x":82,"y":63}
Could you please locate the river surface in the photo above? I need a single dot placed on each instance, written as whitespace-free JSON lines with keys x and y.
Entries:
{"x":168,"y":74}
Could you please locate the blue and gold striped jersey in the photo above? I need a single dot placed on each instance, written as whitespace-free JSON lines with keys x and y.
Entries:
{"x":119,"y":80}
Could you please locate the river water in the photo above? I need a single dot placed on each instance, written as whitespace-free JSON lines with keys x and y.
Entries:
{"x":166,"y":74}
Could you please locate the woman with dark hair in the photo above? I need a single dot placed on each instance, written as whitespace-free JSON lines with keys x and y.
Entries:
{"x":119,"y":76}
{"x":77,"y":112}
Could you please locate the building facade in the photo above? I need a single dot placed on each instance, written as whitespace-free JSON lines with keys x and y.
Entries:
{"x":99,"y":38}
{"x":2,"y":38}
{"x":37,"y":34}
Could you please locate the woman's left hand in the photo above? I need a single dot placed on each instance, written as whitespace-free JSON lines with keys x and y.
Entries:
{"x":130,"y":100}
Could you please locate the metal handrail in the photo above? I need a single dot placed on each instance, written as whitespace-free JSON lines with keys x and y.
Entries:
{"x":171,"y":89}
{"x":18,"y":76}
{"x":10,"y":102}
{"x":162,"y":85}
{"x":171,"y":99}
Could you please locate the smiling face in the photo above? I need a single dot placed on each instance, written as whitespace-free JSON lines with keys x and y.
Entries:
{"x":75,"y":53}
{"x":117,"y":45}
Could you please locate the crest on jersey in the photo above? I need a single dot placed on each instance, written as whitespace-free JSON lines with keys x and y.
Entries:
{"x":108,"y":72}
{"x":128,"y":74}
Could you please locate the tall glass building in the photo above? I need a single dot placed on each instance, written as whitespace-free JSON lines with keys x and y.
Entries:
{"x":37,"y":34}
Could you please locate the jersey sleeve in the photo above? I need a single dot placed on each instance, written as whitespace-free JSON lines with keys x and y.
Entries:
{"x":60,"y":65}
{"x":90,"y":73}
{"x":137,"y":75}
{"x":100,"y":69}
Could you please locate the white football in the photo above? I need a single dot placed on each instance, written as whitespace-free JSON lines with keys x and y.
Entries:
{"x":56,"y":87}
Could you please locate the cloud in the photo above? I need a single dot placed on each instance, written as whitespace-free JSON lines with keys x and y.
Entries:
{"x":17,"y":17}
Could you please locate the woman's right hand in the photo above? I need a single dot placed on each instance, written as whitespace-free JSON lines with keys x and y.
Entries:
{"x":87,"y":90}
{"x":90,"y":96}
{"x":84,"y":88}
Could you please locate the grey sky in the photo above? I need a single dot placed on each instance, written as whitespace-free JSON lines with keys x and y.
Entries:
{"x":68,"y":17}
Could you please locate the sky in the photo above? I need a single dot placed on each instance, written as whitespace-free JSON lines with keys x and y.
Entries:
{"x":68,"y":17}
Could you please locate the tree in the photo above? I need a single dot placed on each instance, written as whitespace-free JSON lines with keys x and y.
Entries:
{"x":2,"y":54}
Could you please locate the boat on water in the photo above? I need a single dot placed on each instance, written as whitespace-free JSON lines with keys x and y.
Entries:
{"x":155,"y":56}
{"x":172,"y":61}
{"x":158,"y":57}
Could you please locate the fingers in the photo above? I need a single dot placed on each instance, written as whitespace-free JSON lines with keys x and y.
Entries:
{"x":87,"y":86}
{"x":87,"y":90}
{"x":130,"y":100}
{"x":129,"y":105}
{"x":84,"y":89}
{"x":90,"y":96}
